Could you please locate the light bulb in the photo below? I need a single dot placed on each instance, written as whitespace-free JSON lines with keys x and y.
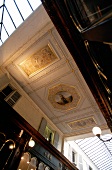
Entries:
{"x":31,"y":143}
{"x":11,"y":146}
{"x":96,"y":131}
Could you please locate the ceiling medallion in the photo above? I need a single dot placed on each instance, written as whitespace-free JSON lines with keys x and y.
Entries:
{"x":82,"y":123}
{"x":63,"y":97}
{"x":38,"y":61}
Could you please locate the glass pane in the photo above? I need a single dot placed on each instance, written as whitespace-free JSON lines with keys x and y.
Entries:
{"x":14,"y":13}
{"x":1,"y":2}
{"x":96,"y":9}
{"x":1,"y":9}
{"x":49,"y":134}
{"x":7,"y":90}
{"x":4,"y":35}
{"x":24,"y":8}
{"x":35,"y":3}
{"x":8,"y":23}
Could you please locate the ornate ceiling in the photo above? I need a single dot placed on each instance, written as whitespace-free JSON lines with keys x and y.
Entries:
{"x":41,"y":64}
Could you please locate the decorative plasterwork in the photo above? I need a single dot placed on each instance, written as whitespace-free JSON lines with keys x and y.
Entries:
{"x":82,"y":123}
{"x":38,"y":61}
{"x":63,"y":97}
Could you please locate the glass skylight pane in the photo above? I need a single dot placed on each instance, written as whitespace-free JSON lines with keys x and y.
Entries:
{"x":14,"y":13}
{"x":8,"y":23}
{"x":24,"y":8}
{"x":99,"y":152}
{"x":4,"y":35}
{"x":1,"y":2}
{"x":35,"y":3}
{"x":1,"y":9}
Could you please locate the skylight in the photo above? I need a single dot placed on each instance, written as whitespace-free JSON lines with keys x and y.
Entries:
{"x":13,"y":13}
{"x":100,"y":153}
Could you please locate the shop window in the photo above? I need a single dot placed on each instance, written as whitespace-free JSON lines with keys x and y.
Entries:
{"x":6,"y":91}
{"x":10,"y":95}
{"x":74,"y":157}
{"x":49,"y":134}
{"x":42,"y":127}
{"x":90,"y":168}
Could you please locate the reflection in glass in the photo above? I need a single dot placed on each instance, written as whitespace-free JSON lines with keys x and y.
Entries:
{"x":97,"y":8}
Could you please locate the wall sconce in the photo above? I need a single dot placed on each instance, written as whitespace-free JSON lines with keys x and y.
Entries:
{"x":11,"y":144}
{"x":31,"y":142}
{"x":97,"y":132}
{"x":8,"y":144}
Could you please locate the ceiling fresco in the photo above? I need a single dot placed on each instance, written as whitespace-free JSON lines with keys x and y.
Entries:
{"x":83,"y":123}
{"x":63,"y":97}
{"x":38,"y":61}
